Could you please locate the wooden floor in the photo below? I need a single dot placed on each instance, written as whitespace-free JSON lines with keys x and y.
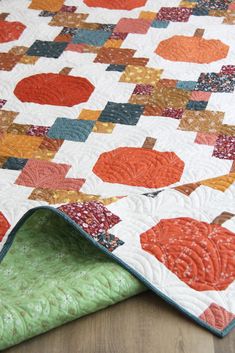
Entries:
{"x":142,"y":324}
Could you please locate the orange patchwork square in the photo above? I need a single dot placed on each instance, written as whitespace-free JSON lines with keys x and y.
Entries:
{"x":6,"y":118}
{"x":87,"y":114}
{"x":148,"y":15}
{"x":140,"y":74}
{"x":103,"y":127}
{"x":19,"y":146}
{"x":52,"y":5}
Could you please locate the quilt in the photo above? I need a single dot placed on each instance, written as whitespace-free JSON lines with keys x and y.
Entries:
{"x":118,"y":116}
{"x":52,"y":275}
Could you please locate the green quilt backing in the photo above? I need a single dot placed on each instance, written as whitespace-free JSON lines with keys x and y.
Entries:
{"x":51,"y":275}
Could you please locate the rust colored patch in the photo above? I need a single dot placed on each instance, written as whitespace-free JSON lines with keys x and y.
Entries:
{"x":10,"y":31}
{"x":54,"y":89}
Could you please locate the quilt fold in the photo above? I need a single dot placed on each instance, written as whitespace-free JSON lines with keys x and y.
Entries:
{"x":118,"y":118}
{"x":52,"y":275}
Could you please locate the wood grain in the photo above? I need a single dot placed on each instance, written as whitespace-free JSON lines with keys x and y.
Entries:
{"x":142,"y":324}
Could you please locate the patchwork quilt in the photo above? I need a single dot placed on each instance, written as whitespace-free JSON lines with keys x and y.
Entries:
{"x":118,"y":116}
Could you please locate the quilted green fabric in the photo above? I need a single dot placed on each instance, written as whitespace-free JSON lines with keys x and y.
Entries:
{"x":51,"y":275}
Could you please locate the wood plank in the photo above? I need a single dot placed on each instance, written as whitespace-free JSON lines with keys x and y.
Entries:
{"x":144,"y":323}
{"x":226,"y":344}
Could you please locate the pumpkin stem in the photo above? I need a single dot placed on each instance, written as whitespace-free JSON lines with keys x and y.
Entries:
{"x":149,"y":143}
{"x":222,"y":218}
{"x":65,"y":71}
{"x":199,"y":32}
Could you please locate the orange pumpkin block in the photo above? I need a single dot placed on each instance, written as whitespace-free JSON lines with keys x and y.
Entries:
{"x":139,"y":167}
{"x":116,"y":4}
{"x":201,"y":254}
{"x":192,"y":49}
{"x":54,"y":89}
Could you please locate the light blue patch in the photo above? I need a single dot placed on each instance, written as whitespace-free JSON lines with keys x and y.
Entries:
{"x":160,"y":24}
{"x":187,"y":85}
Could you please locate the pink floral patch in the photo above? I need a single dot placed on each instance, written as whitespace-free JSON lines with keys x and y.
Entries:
{"x":173,"y":113}
{"x":206,"y":139}
{"x":38,"y":130}
{"x":228,"y":70}
{"x":200,"y":96}
{"x":143,"y":89}
{"x":66,"y":8}
{"x":225,"y":147}
{"x":174,"y":14}
{"x":217,"y":316}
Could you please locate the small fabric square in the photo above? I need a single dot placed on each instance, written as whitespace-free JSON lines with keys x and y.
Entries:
{"x":160,"y":24}
{"x":8,"y":61}
{"x":47,"y":14}
{"x":47,"y":49}
{"x":196,"y":105}
{"x":228,"y":70}
{"x":96,"y":38}
{"x":71,"y":130}
{"x":200,"y":11}
{"x":203,"y":138}
{"x":66,"y":8}
{"x":187,"y":85}
{"x":96,"y":220}
{"x":174,"y":14}
{"x":173,"y":113}
{"x":141,"y":74}
{"x":35,"y":130}
{"x":20,"y":146}
{"x":143,"y":89}
{"x":113,"y":67}
{"x":225,"y":147}
{"x":125,"y":113}
{"x":14,"y":163}
{"x":213,"y":82}
{"x":200,"y":96}
{"x":131,"y":25}
{"x":214,"y":4}
{"x":201,"y":121}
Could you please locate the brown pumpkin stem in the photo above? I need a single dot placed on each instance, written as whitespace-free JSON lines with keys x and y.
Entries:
{"x":149,"y":143}
{"x":65,"y":71}
{"x":199,"y":32}
{"x":223,"y":217}
{"x":3,"y":16}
